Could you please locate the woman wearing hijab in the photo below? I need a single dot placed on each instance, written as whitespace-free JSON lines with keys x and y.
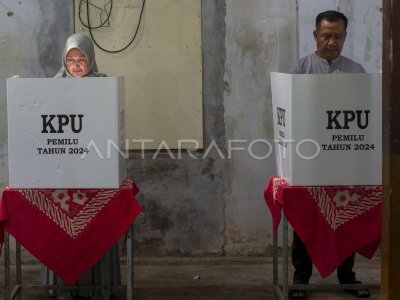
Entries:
{"x":78,"y":54}
{"x":78,"y":60}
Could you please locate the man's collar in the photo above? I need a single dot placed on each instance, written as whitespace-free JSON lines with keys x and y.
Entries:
{"x":326,"y":61}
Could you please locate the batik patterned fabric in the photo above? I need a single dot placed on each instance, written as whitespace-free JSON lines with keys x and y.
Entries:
{"x":69,"y":230}
{"x":341,"y":205}
{"x":70,"y":210}
{"x":332,"y":221}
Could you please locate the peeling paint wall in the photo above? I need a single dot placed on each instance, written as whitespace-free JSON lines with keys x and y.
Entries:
{"x":184,"y":199}
{"x":215,"y":206}
{"x":260,"y":38}
{"x":210,"y":206}
{"x":32,"y":37}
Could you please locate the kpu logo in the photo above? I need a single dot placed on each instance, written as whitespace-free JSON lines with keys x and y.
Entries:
{"x":342,"y":119}
{"x":57,"y":123}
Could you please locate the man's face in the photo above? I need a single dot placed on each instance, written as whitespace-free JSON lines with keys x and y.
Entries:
{"x":330,"y":37}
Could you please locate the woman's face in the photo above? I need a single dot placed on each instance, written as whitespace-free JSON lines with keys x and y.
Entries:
{"x":77,"y":63}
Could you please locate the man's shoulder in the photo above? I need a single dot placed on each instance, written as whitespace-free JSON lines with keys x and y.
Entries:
{"x":308,"y":57}
{"x":302,"y":64}
{"x":350,"y":65}
{"x":349,"y":61}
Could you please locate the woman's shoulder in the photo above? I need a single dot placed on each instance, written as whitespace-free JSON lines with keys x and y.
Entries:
{"x":97,"y":74}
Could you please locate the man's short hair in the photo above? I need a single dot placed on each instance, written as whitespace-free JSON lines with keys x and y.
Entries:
{"x":331,"y":16}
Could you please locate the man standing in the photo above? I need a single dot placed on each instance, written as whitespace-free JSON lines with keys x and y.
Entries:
{"x":330,"y":35}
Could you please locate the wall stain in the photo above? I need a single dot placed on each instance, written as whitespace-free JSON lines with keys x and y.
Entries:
{"x":157,"y":216}
{"x":56,"y":24}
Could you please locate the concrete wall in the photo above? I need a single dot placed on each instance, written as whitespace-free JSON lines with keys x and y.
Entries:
{"x":260,"y":38}
{"x":215,"y":205}
{"x":184,"y":199}
{"x":209,"y":206}
{"x":32,"y":37}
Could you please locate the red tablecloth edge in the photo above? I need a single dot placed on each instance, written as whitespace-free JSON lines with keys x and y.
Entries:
{"x":272,"y":193}
{"x":70,"y":279}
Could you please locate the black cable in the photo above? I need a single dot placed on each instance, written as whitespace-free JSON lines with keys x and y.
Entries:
{"x":122,"y":49}
{"x":108,"y":13}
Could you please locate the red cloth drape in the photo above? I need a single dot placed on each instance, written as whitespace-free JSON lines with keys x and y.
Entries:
{"x":68,"y":230}
{"x":332,"y":221}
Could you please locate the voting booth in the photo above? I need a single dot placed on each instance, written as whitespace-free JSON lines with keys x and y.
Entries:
{"x":328,"y":128}
{"x":66,"y":132}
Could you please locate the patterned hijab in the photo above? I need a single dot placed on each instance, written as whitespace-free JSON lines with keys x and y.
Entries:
{"x":83,"y":43}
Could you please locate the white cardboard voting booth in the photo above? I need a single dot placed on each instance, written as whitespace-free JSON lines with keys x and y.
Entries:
{"x":66,"y":132}
{"x":328,"y":128}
